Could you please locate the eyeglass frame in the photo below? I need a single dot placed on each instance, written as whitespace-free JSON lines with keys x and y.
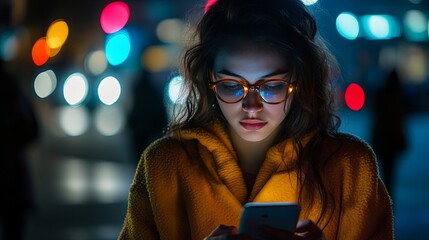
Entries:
{"x":246,"y":87}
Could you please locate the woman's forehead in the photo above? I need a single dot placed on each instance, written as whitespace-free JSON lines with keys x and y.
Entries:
{"x":250,"y":61}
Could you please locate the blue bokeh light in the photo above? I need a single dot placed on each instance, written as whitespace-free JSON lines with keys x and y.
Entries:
{"x":348,"y":25}
{"x":118,"y":47}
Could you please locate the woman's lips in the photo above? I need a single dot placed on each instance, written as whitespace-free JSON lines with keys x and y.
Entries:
{"x":253,"y":124}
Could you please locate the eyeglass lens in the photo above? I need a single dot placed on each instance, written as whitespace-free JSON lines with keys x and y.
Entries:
{"x":271,"y":91}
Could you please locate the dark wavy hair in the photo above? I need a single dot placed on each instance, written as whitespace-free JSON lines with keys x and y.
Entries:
{"x":287,"y":27}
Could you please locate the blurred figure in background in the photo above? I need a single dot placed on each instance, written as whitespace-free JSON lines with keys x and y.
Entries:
{"x":388,"y":135}
{"x":19,"y":127}
{"x":148,"y":115}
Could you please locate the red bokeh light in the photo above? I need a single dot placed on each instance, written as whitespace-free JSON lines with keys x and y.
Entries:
{"x":40,"y":52}
{"x":355,"y":97}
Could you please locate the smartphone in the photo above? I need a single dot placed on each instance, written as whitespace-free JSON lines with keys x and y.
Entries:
{"x":280,"y":215}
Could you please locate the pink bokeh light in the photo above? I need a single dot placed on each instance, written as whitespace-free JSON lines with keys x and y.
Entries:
{"x":209,"y":4}
{"x":114,"y":17}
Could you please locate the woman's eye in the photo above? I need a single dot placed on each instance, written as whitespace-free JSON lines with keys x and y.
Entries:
{"x":274,"y":85}
{"x":229,"y":85}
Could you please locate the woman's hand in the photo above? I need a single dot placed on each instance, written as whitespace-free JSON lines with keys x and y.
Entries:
{"x":223,"y":232}
{"x":305,"y":230}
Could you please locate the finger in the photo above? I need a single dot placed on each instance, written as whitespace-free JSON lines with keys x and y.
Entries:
{"x":222,"y":229}
{"x":306,"y":226}
{"x":308,"y":229}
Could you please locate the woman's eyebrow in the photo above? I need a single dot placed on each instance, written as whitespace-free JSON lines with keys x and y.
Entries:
{"x":275,"y":73}
{"x":278,"y":72}
{"x":229,"y":73}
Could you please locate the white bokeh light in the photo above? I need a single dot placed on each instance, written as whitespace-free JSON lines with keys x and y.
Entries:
{"x":309,"y":2}
{"x":175,"y":88}
{"x":75,"y":179}
{"x":109,"y":90}
{"x":107,"y":182}
{"x":45,"y":83}
{"x":75,"y":89}
{"x":74,"y":121}
{"x":83,"y":180}
{"x":109,"y":120}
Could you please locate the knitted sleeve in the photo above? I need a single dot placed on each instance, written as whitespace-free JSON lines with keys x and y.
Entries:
{"x":366,"y":208}
{"x":139,"y":221}
{"x":156,"y":209}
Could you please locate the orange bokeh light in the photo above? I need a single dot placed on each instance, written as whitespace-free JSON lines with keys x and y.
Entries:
{"x":40,"y":52}
{"x":57,"y":34}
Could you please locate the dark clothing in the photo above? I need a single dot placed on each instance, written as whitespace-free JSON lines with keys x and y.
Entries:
{"x":148,"y":115}
{"x":18,"y":127}
{"x":389,"y":138}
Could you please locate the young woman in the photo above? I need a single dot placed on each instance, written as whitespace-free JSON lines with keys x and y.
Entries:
{"x":258,"y":126}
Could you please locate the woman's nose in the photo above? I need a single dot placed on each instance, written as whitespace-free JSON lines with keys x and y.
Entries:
{"x":252,"y":102}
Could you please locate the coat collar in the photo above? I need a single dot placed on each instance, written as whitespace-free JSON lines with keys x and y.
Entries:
{"x":221,"y":154}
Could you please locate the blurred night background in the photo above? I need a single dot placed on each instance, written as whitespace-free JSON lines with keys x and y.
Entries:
{"x":85,"y":85}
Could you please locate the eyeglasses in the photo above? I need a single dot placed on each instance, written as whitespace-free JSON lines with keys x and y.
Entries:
{"x":271,"y":91}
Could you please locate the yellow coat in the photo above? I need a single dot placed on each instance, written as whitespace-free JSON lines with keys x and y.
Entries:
{"x":185,"y":189}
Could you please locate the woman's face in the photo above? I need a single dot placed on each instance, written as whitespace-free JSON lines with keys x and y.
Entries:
{"x":252,"y":119}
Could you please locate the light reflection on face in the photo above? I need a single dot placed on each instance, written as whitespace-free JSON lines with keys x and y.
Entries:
{"x":252,"y":119}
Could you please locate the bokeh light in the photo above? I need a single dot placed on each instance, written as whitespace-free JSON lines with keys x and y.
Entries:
{"x":114,"y":17}
{"x":82,"y":181}
{"x":413,"y":62}
{"x":74,"y":121}
{"x":347,"y":25}
{"x":415,"y":25}
{"x":75,"y":89}
{"x":109,"y":90}
{"x":40,"y":52}
{"x":107,"y":182}
{"x":309,"y":2}
{"x":54,"y":51}
{"x":8,"y":45}
{"x":209,"y":3}
{"x":96,"y":62}
{"x":379,"y":27}
{"x":75,"y":177}
{"x":109,"y":120}
{"x":156,"y":58}
{"x":175,"y":89}
{"x":45,"y":83}
{"x":57,"y":34}
{"x":354,"y":97}
{"x":170,"y":30}
{"x":118,"y":47}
